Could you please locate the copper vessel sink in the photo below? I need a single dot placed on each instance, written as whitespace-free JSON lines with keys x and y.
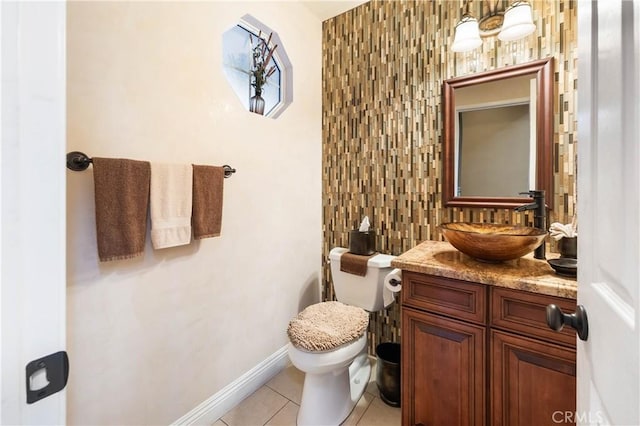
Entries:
{"x":492,"y":242}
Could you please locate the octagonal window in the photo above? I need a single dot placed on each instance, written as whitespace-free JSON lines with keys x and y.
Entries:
{"x":257,"y":67}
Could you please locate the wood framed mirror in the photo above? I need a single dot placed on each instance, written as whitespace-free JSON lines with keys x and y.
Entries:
{"x":498,"y":136}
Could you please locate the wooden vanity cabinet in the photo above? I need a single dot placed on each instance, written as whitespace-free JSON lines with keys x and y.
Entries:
{"x":474,"y":354}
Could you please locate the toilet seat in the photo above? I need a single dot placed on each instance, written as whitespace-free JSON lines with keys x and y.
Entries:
{"x":324,"y":361}
{"x":326,"y":326}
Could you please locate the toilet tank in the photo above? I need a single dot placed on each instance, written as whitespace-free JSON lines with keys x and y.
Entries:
{"x":366,"y":292}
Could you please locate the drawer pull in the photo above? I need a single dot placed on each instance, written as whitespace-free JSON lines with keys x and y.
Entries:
{"x":556,"y":319}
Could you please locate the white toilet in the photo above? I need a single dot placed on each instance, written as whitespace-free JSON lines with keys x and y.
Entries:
{"x":332,"y":351}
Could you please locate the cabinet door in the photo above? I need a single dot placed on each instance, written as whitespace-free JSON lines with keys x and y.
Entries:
{"x":532,"y":382}
{"x":443,"y":371}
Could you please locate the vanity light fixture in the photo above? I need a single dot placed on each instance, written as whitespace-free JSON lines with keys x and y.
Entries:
{"x":518,"y":22}
{"x":467,"y":34}
{"x":514,"y":23}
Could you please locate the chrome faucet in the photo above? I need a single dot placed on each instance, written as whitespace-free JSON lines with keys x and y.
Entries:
{"x":539,"y":216}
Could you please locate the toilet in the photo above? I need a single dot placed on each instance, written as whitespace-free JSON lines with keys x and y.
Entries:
{"x":328,"y":342}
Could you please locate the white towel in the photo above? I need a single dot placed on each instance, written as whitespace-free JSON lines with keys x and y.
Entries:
{"x":559,"y":231}
{"x":170,"y":204}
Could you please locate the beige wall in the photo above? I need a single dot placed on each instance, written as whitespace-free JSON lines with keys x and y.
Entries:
{"x":151,"y":338}
{"x":384,"y":63}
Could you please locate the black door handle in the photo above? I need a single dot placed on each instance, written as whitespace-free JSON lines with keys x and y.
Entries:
{"x":55,"y":368}
{"x":556,"y":319}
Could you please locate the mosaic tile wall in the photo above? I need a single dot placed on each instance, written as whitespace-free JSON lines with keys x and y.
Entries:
{"x":383,"y":66}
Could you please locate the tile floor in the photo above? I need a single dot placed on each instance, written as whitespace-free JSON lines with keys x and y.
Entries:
{"x":277,"y":402}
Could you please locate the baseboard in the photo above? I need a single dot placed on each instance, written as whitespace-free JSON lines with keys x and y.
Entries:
{"x":217,"y":405}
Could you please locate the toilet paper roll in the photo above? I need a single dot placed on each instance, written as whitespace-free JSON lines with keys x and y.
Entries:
{"x":389,"y":291}
{"x":393,"y":281}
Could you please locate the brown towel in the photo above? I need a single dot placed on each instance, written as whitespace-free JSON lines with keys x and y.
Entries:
{"x":208,"y":184}
{"x":354,"y":263}
{"x":122,"y":199}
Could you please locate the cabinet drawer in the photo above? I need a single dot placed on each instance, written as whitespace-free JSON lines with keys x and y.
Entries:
{"x":525,"y":313}
{"x":455,"y":298}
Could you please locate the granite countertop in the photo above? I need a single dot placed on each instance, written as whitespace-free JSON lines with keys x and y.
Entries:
{"x":442,"y":259}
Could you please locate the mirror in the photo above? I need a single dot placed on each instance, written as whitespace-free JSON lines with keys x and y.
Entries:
{"x":498,"y":135}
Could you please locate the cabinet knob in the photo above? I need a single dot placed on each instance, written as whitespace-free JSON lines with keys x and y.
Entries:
{"x":556,"y":319}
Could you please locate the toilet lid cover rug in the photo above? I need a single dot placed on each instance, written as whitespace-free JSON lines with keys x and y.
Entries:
{"x":327,"y":325}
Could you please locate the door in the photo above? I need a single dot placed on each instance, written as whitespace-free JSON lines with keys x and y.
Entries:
{"x":608,"y":210}
{"x":32,"y":204}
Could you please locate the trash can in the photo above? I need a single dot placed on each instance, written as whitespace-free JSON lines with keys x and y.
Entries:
{"x":388,"y":372}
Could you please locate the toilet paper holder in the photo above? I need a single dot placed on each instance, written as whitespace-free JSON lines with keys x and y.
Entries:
{"x":393,"y":281}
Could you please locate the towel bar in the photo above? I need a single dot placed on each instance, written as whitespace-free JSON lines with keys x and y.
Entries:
{"x":79,"y":161}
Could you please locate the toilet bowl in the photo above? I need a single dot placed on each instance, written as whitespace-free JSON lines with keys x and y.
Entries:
{"x":337,"y":372}
{"x":334,"y":381}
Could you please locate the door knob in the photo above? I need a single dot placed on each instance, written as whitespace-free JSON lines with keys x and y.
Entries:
{"x":556,"y":319}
